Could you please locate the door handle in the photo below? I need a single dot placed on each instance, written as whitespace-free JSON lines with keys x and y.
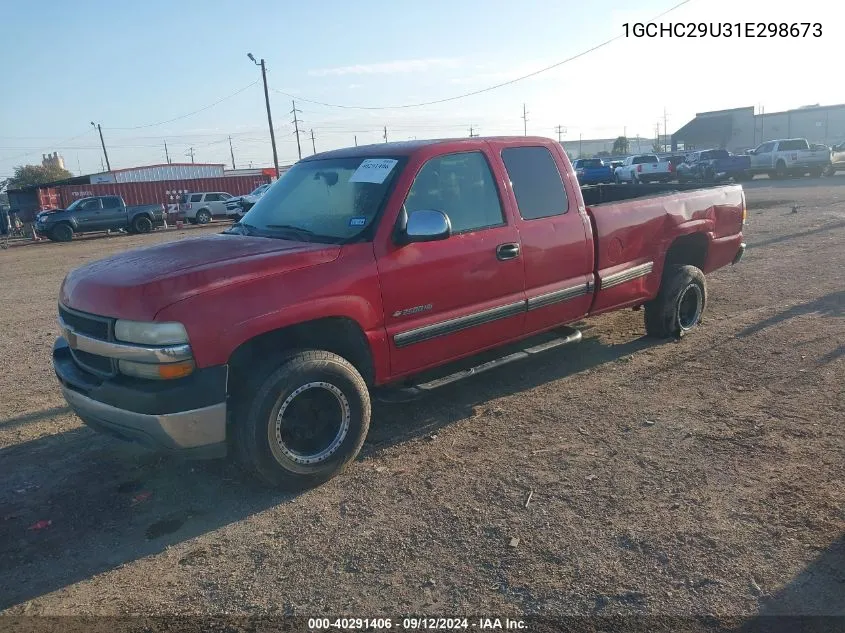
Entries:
{"x":507,"y":251}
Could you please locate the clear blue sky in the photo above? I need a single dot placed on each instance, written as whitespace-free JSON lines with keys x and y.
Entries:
{"x":131,"y":64}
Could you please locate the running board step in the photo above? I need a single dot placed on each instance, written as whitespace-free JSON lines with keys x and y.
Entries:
{"x":413,"y":391}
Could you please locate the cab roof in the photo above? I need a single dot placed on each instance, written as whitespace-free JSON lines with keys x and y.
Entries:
{"x":407,"y":148}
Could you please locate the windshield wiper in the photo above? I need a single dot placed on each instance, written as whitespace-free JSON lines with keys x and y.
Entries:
{"x":245,"y":229}
{"x":290,"y":227}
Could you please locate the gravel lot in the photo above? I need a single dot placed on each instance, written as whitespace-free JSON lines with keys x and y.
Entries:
{"x":700,"y":477}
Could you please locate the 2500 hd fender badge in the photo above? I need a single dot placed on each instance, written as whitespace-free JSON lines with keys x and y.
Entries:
{"x":414,"y":310}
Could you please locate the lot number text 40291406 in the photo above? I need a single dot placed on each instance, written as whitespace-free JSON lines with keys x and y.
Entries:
{"x":722,"y":29}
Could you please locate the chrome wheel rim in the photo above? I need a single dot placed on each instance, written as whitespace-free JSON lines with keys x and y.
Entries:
{"x":298,"y":436}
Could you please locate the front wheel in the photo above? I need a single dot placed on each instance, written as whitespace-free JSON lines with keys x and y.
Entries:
{"x":142,"y":224}
{"x":203,"y":217}
{"x":304,"y":420}
{"x":62,"y":233}
{"x":679,"y":304}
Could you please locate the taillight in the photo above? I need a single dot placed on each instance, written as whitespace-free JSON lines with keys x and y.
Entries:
{"x":671,"y":168}
{"x":639,"y":168}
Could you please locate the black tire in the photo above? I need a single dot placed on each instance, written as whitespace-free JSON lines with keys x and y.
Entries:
{"x":61,"y":232}
{"x":203,"y":217}
{"x":142,"y":224}
{"x":260,"y":405}
{"x":780,"y":170}
{"x":679,"y":304}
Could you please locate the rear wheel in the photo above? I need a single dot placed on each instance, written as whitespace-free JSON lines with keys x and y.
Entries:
{"x":203,"y":217}
{"x":62,"y":233}
{"x":142,"y":224}
{"x":679,"y":304}
{"x":301,"y":422}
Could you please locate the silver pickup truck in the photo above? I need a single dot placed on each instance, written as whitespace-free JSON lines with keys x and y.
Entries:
{"x":837,"y":159}
{"x":789,"y":157}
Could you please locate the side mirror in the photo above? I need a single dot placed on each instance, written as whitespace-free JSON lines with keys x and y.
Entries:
{"x":426,"y":225}
{"x":751,"y":152}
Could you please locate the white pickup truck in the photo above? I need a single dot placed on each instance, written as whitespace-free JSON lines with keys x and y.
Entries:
{"x":644,"y":168}
{"x":789,"y":157}
{"x":837,"y":159}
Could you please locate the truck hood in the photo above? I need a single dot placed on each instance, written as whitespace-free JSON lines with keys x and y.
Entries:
{"x":138,"y":284}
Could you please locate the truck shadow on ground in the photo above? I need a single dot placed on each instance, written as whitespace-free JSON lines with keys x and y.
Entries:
{"x":77,"y":504}
{"x":813,"y":601}
{"x":829,"y":305}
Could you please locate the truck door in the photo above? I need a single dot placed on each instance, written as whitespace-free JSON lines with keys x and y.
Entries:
{"x":89,"y":215}
{"x":556,"y":236}
{"x":761,"y":159}
{"x":113,"y":215}
{"x":451,"y":298}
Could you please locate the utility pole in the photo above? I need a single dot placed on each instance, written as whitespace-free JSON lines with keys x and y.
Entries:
{"x":664,"y":130}
{"x":560,"y":131}
{"x":472,"y":134}
{"x":294,"y":112}
{"x":385,"y":134}
{"x":313,"y":146}
{"x":269,"y":116}
{"x":190,"y":153}
{"x":166,"y":153}
{"x":232,"y":153}
{"x":356,"y":140}
{"x":525,"y":119}
{"x":102,"y":142}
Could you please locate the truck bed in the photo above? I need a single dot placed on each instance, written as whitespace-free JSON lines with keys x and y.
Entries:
{"x":635,"y":225}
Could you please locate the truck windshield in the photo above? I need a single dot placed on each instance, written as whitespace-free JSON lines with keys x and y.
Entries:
{"x":331,"y":200}
{"x":77,"y":203}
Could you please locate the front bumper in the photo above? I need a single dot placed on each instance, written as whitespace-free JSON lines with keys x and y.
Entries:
{"x":739,"y":254}
{"x":186,"y":416}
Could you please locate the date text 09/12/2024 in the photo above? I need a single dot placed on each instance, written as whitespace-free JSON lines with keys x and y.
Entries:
{"x":751,"y":30}
{"x":416,"y":624}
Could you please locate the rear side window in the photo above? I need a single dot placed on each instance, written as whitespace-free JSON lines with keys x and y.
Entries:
{"x":536,"y":182}
{"x":592,"y":163}
{"x":792,"y":145}
{"x":111,"y":202}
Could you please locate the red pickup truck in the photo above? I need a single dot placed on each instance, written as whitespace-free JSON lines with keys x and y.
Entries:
{"x":373,"y":270}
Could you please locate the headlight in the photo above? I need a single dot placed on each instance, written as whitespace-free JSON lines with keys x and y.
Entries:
{"x":169,"y":371}
{"x":150,"y":333}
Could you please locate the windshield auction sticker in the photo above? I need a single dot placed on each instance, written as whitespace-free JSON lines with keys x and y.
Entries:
{"x":374,"y":170}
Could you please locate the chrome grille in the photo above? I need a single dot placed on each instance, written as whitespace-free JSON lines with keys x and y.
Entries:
{"x":96,"y":327}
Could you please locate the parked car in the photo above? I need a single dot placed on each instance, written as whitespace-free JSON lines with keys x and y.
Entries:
{"x":714,"y":165}
{"x":644,"y":168}
{"x":592,"y":171}
{"x":236,"y":207}
{"x":200,"y":208}
{"x":837,"y":159}
{"x":369,"y":271}
{"x":789,"y":157}
{"x":98,"y":213}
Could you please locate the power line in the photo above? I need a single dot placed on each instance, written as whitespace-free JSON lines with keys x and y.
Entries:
{"x":185,"y":116}
{"x":482,"y":90}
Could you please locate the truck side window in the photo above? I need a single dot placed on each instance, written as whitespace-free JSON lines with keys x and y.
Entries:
{"x":462,"y":187}
{"x":111,"y":202}
{"x":536,"y":182}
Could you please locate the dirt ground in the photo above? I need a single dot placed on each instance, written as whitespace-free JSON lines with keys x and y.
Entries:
{"x":690,"y":478}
